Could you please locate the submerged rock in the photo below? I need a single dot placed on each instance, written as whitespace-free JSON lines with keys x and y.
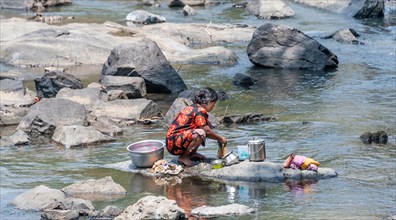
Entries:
{"x":379,"y":137}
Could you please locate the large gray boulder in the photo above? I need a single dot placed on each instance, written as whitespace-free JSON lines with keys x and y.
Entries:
{"x":144,"y":59}
{"x":353,"y":8}
{"x":96,"y":190}
{"x":153,"y":207}
{"x":86,"y":96}
{"x":127,"y":109}
{"x":47,"y":114}
{"x":37,"y":198}
{"x":76,"y":136}
{"x":269,"y":9}
{"x":49,"y":85}
{"x":283,"y":47}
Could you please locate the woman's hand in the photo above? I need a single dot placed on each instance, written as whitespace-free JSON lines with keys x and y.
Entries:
{"x":223,"y":141}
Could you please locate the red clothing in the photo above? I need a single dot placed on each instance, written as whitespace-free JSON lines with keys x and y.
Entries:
{"x":180,"y":133}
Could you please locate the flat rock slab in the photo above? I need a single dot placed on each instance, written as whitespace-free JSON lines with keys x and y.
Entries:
{"x":243,"y":171}
{"x":225,"y":210}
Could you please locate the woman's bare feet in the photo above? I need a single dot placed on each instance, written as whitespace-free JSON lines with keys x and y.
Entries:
{"x":195,"y":155}
{"x":186,"y":161}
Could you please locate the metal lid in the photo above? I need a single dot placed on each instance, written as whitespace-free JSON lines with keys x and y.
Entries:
{"x":256,"y":141}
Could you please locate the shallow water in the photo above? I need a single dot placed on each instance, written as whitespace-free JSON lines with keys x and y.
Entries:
{"x":321,"y":115}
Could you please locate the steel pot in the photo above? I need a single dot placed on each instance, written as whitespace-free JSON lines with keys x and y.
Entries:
{"x":144,"y":153}
{"x":256,"y":150}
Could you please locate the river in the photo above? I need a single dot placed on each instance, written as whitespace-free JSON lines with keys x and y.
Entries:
{"x":320,"y":115}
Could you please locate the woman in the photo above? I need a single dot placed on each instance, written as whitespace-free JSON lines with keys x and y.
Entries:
{"x":190,"y":128}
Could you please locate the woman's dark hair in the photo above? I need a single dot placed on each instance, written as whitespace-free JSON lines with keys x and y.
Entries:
{"x":205,"y":96}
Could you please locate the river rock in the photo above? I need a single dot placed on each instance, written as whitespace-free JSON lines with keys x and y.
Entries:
{"x":265,"y":172}
{"x":56,"y":214}
{"x":379,"y":137}
{"x":347,"y":35}
{"x":96,"y":190}
{"x":283,"y":47}
{"x":133,"y":87}
{"x":127,"y":109}
{"x":42,"y":45}
{"x":243,"y":80}
{"x":322,"y":173}
{"x":353,"y":8}
{"x":269,"y":9}
{"x":49,"y":85}
{"x":37,"y":198}
{"x":181,"y":3}
{"x":249,"y":171}
{"x":245,"y":118}
{"x":20,"y":138}
{"x":144,"y":17}
{"x":225,"y":210}
{"x":144,"y":59}
{"x":188,"y":11}
{"x":47,"y":114}
{"x":86,"y":96}
{"x":82,"y":206}
{"x":110,"y":212}
{"x":153,"y":207}
{"x":76,"y":136}
{"x":30,"y":44}
{"x":15,"y":101}
{"x":104,"y":125}
{"x":32,"y":5}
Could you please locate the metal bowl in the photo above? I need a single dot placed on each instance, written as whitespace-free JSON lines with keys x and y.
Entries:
{"x":144,"y":153}
{"x":231,"y":158}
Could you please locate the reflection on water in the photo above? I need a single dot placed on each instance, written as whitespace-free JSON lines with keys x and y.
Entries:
{"x":193,"y":193}
{"x":300,"y":188}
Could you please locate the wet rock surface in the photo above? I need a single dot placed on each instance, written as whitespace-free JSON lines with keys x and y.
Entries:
{"x":242,"y":171}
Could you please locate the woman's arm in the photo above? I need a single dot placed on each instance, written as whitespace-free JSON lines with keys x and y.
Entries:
{"x":213,"y":135}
